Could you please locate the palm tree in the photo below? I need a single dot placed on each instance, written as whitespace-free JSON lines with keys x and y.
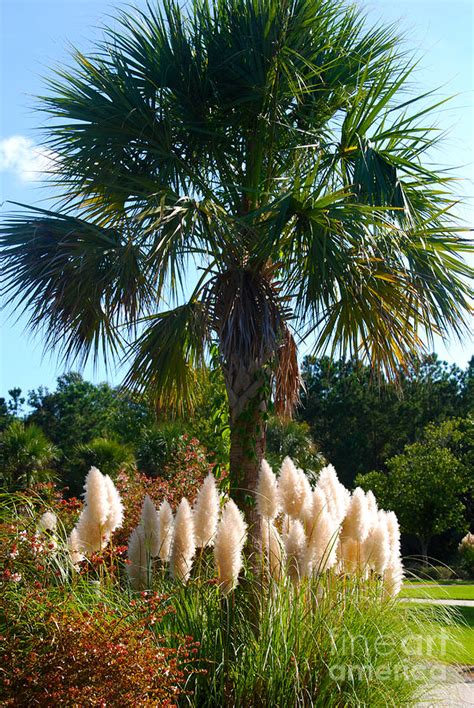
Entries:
{"x":248,"y":174}
{"x":25,"y":456}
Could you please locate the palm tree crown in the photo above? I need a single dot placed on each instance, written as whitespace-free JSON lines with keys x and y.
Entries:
{"x":273,"y":144}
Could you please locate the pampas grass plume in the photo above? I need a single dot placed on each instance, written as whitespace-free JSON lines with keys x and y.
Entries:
{"x":268,"y":504}
{"x":206,"y":512}
{"x":183,"y":545}
{"x":137,"y":559}
{"x":322,"y":544}
{"x":115,"y":513}
{"x":393,"y":529}
{"x":230,"y":539}
{"x":356,"y":524}
{"x":47,"y":522}
{"x":393,"y":578}
{"x":272,"y":547}
{"x":295,"y":547}
{"x":165,"y":531}
{"x":372,"y":508}
{"x":74,"y":547}
{"x":350,"y":554}
{"x":380,"y":556}
{"x":96,"y":497}
{"x":293,"y":489}
{"x":313,"y":510}
{"x":337,"y":496}
{"x":92,"y":529}
{"x":150,"y":523}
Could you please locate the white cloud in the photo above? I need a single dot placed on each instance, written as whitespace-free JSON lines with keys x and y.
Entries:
{"x":26,"y":160}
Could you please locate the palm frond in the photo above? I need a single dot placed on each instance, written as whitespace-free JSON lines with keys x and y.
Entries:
{"x":165,"y":357}
{"x":76,"y":280}
{"x":288,"y":381}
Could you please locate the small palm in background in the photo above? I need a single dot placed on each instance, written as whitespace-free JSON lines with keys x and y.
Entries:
{"x":26,"y":456}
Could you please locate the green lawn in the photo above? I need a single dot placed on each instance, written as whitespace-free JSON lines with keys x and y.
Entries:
{"x":436,"y":590}
{"x":455,"y":643}
{"x":461,"y":648}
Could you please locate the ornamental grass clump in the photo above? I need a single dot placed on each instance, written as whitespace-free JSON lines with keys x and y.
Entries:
{"x":304,"y":532}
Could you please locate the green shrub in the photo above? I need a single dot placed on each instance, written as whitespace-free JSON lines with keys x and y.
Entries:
{"x":109,"y":455}
{"x":290,"y":438}
{"x":156,"y":446}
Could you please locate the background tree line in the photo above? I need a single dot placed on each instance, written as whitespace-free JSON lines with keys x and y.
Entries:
{"x":412,"y":442}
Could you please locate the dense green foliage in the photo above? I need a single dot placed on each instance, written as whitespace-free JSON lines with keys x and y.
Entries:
{"x":430,"y":485}
{"x":359,"y":421}
{"x":26,"y":456}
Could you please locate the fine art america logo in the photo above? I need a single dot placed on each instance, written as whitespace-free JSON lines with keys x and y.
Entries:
{"x":364,"y":658}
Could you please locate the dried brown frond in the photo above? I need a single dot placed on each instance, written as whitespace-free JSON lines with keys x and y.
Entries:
{"x":287,"y":378}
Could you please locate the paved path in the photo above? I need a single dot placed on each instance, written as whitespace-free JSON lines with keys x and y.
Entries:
{"x":438,"y":601}
{"x":458,"y":692}
{"x":452,"y":695}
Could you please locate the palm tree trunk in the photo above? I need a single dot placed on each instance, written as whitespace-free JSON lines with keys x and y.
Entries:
{"x":247,"y":442}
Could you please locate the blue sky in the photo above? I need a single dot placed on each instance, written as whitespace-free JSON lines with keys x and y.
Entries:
{"x":36,"y":35}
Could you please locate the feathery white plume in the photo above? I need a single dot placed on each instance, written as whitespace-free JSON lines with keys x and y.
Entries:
{"x":165,"y":530}
{"x":137,"y":559}
{"x":47,"y":522}
{"x":313,"y":510}
{"x":393,"y":575}
{"x":92,"y":529}
{"x":115,"y":513}
{"x":73,"y":544}
{"x":356,"y":523}
{"x":322,"y":544}
{"x":268,"y":504}
{"x":393,"y":578}
{"x":350,"y":555}
{"x":292,"y":489}
{"x":230,"y":539}
{"x":150,"y":523}
{"x":372,"y":508}
{"x":206,"y":512}
{"x":183,"y":545}
{"x":376,"y":547}
{"x":272,"y":548}
{"x":393,"y":529}
{"x":295,"y":547}
{"x":337,"y":496}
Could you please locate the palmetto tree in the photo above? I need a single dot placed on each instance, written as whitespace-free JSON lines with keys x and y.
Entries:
{"x":249,"y":173}
{"x":26,"y":456}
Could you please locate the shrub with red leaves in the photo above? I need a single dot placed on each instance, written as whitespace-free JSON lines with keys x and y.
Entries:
{"x":183,"y":476}
{"x":58,"y":654}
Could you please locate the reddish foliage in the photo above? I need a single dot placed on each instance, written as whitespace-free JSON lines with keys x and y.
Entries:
{"x":184,"y":475}
{"x":63,"y":655}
